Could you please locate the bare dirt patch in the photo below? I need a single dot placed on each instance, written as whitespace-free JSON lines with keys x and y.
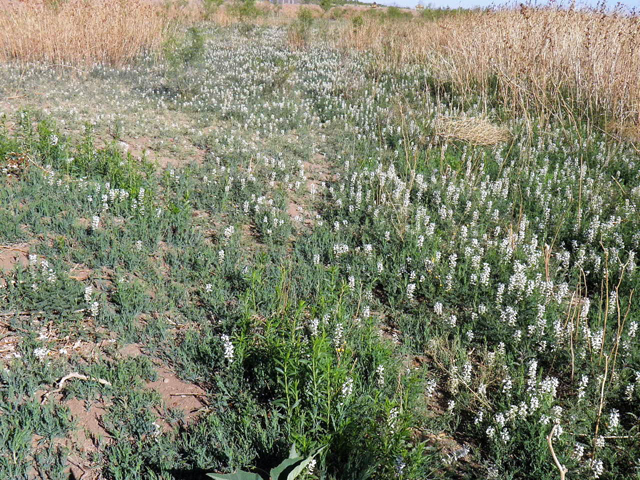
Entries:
{"x":174,"y":392}
{"x":178,"y":394}
{"x":12,"y":255}
{"x":89,"y":434}
{"x":86,"y":437}
{"x":80,"y":273}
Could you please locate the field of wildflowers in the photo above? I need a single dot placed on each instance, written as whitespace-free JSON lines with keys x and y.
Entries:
{"x":208,"y":257}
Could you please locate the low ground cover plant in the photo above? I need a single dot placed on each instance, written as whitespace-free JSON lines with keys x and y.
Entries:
{"x":315,"y":251}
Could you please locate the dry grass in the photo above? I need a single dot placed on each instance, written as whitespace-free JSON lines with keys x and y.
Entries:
{"x":626,"y":131}
{"x":545,"y":59}
{"x":477,"y":131}
{"x":291,"y":11}
{"x":111,"y":32}
{"x":86,"y":31}
{"x":296,"y":39}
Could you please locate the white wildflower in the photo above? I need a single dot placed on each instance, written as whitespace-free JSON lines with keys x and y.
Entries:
{"x":228,"y":347}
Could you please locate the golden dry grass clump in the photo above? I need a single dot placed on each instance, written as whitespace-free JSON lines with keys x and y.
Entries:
{"x":627,"y":131}
{"x":112,"y":32}
{"x":475,"y":130}
{"x":290,"y":11}
{"x":547,"y":59}
{"x":86,"y":31}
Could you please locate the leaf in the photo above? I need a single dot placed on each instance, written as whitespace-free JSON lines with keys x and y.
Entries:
{"x":299,"y":468}
{"x":287,"y":464}
{"x":239,"y":475}
{"x":293,"y":453}
{"x":292,"y":466}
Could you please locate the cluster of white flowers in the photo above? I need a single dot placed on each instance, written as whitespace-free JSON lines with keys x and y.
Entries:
{"x":347,"y":387}
{"x":411,"y":288}
{"x":95,"y":222}
{"x":338,"y":336}
{"x":598,"y":468}
{"x":380,"y":375}
{"x":313,"y":326}
{"x":228,"y":347}
{"x":41,"y":352}
{"x":88,"y":293}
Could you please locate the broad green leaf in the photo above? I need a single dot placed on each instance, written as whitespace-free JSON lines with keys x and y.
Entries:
{"x":239,"y":475}
{"x":297,"y":470}
{"x":276,"y":472}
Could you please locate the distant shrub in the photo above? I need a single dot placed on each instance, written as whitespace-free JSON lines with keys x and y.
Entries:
{"x":433,"y":14}
{"x":183,"y":56}
{"x":305,"y":18}
{"x":390,"y":13}
{"x":394,"y":13}
{"x":299,"y":30}
{"x":245,"y":10}
{"x":326,"y":4}
{"x":186,"y":50}
{"x":357,"y":22}
{"x":337,"y":12}
{"x":210,"y":7}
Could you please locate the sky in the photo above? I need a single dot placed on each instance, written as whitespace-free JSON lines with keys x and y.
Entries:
{"x":485,"y":3}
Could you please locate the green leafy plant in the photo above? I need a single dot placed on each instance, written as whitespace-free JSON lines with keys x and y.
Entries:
{"x":326,"y":4}
{"x":181,"y":52}
{"x":245,"y":10}
{"x":289,"y":469}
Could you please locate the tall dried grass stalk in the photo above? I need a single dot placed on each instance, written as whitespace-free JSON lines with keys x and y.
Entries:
{"x":549,"y":59}
{"x":86,"y":31}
